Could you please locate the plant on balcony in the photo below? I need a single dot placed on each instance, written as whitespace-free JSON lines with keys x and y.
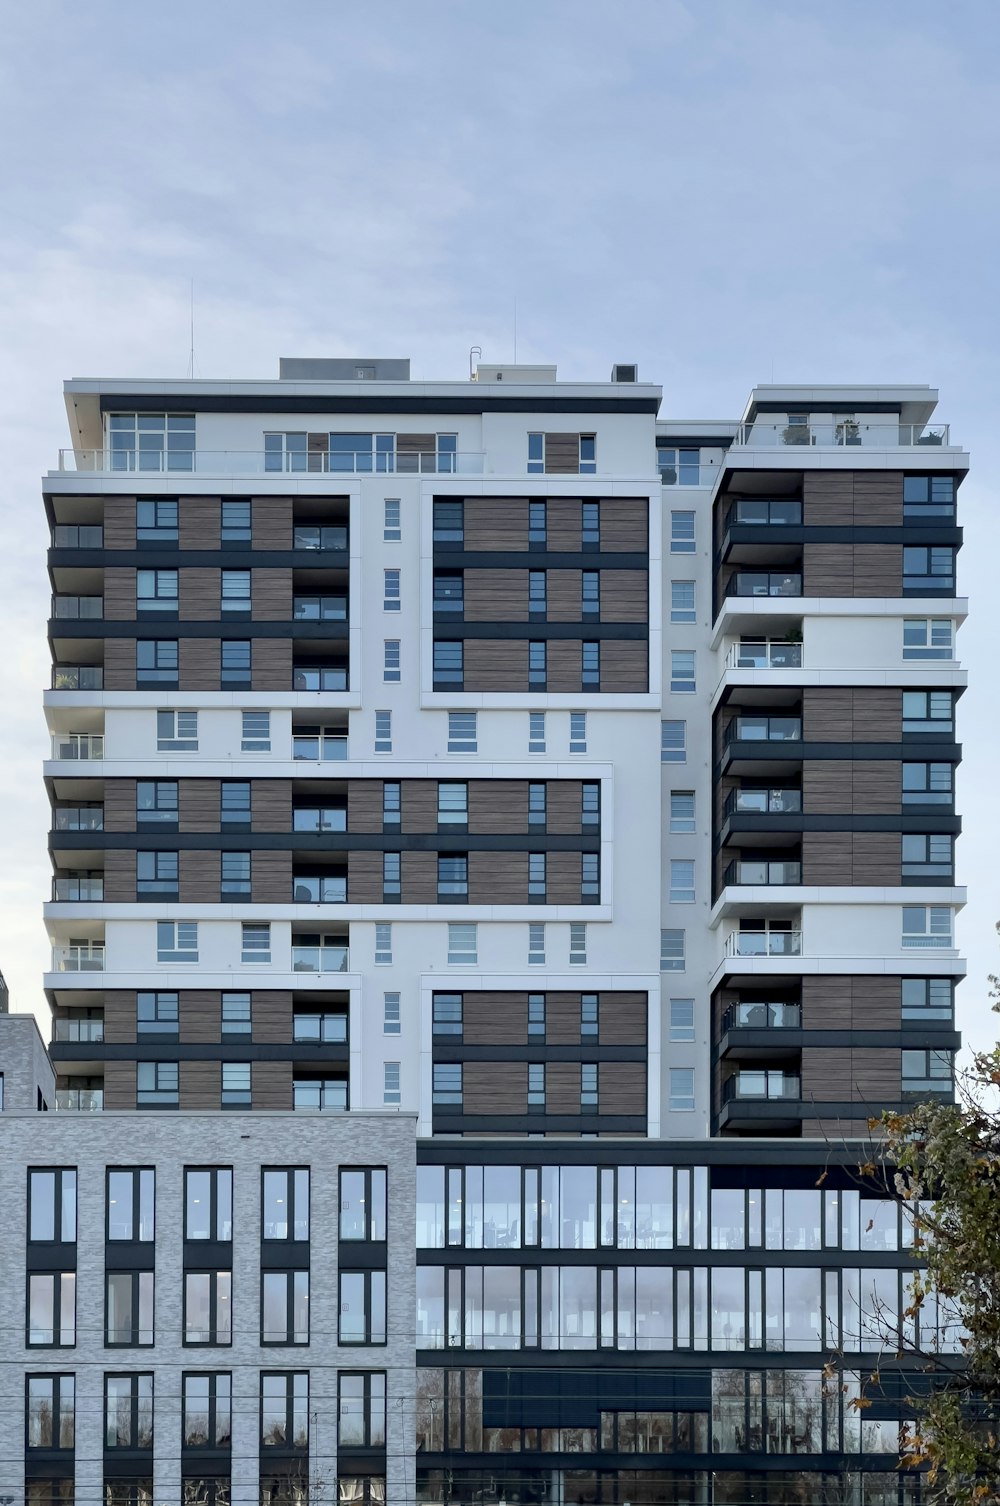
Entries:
{"x":794,"y":635}
{"x":931,"y":437}
{"x":848,"y":432}
{"x":796,"y":434}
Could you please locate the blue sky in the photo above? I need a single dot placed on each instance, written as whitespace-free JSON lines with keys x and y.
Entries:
{"x":727,"y":191}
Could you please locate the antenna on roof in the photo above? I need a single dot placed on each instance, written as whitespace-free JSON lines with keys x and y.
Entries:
{"x":515,"y":331}
{"x":474,"y":350}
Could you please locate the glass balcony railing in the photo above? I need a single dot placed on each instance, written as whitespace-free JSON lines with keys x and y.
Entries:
{"x":80,"y":1100}
{"x":311,"y":889}
{"x":78,"y":536}
{"x":260,"y":462}
{"x":764,"y":729}
{"x":764,"y":944}
{"x":774,"y":802}
{"x":78,"y":957}
{"x":319,"y":1029}
{"x":319,"y":609}
{"x":78,"y":818}
{"x":317,"y":748}
{"x":764,"y":653}
{"x":78,"y":1030}
{"x":78,"y":677}
{"x":753,"y":1015}
{"x":319,"y":538}
{"x":320,"y":959}
{"x":764,"y":583}
{"x":331,"y":1096}
{"x":78,"y":745}
{"x":77,"y":607}
{"x":319,"y":677}
{"x":765,"y":512}
{"x":319,"y":818}
{"x":74,"y":888}
{"x":836,"y":432}
{"x":763,"y":1084}
{"x":754,"y":871}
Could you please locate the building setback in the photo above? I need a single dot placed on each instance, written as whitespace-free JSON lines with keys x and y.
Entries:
{"x":395,"y":724}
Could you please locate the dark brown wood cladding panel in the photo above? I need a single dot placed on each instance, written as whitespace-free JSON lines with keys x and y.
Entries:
{"x":271,"y":522}
{"x":119,"y":663}
{"x":119,"y":1017}
{"x":419,"y":871}
{"x":622,"y":1019}
{"x":119,"y":1085}
{"x":119,"y":593}
{"x":119,"y":804}
{"x":200,"y":877}
{"x":562,"y":1018}
{"x":498,"y":878}
{"x":364,"y":805}
{"x":563,"y":878}
{"x":119,"y":533}
{"x":624,"y":596}
{"x":562,"y":1087}
{"x":199,"y":803}
{"x":271,"y":595}
{"x":564,"y":806}
{"x":624,"y":525}
{"x":119,"y":877}
{"x":839,"y":714}
{"x":827,"y":1074}
{"x":495,"y":664}
{"x":878,"y":569}
{"x":497,"y":806}
{"x":877,"y":1077}
{"x":565,"y":665}
{"x":495,"y":1088}
{"x":200,"y":1015}
{"x":826,"y":857}
{"x":826,"y":1001}
{"x":419,"y":800}
{"x":828,"y":499}
{"x":200,"y":663}
{"x":828,"y":570}
{"x":835,"y":1131}
{"x":271,"y":805}
{"x":564,"y":592}
{"x":624,"y":665}
{"x":272,"y":664}
{"x":876,"y":1002}
{"x":271,"y":877}
{"x":827,"y":787}
{"x":200,"y":1085}
{"x":877,"y":859}
{"x":878,"y":715}
{"x":877,"y":787}
{"x":495,"y":1019}
{"x":496,"y":523}
{"x":198,"y":521}
{"x":200,"y":593}
{"x":364,"y":878}
{"x":563,"y":525}
{"x":271,"y":1015}
{"x":496,"y":595}
{"x":271,"y":1085}
{"x":878,"y":499}
{"x":621,"y":1088}
{"x":562,"y":454}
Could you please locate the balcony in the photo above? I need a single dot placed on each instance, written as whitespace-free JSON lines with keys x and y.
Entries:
{"x":75,"y":888}
{"x":320,"y":959}
{"x":78,"y":536}
{"x":836,"y":433}
{"x":78,"y":818}
{"x":319,"y":609}
{"x":319,"y":677}
{"x":764,"y":729}
{"x":764,"y":583}
{"x":764,"y":653}
{"x":267,"y":462}
{"x":320,"y":1029}
{"x":762,"y":1085}
{"x":315,"y":889}
{"x":80,"y":1100}
{"x":319,"y":747}
{"x":77,"y":608}
{"x":752,"y":1015}
{"x":330,"y":1094}
{"x":317,"y":819}
{"x":78,"y":1032}
{"x":757,"y":871}
{"x":764,"y":944}
{"x":78,"y":957}
{"x":73,"y":746}
{"x":683,"y":468}
{"x":319,"y":538}
{"x":769,"y":802}
{"x":765,"y":512}
{"x":78,"y":677}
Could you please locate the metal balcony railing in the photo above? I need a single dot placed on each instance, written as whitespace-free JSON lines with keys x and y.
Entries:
{"x":78,"y":536}
{"x":323,"y":1029}
{"x":332,"y":1096}
{"x":764,"y":583}
{"x":764,"y":653}
{"x":319,"y":677}
{"x":309,"y":818}
{"x":320,"y":959}
{"x":265,"y":462}
{"x":315,"y":748}
{"x":78,"y":1030}
{"x":753,"y":1015}
{"x":765,"y":512}
{"x":764,"y":729}
{"x":78,"y":677}
{"x":80,"y":1100}
{"x":78,"y":745}
{"x":87,"y":957}
{"x":763,"y":1085}
{"x":771,"y":802}
{"x":75,"y":888}
{"x":834,"y":433}
{"x":319,"y":538}
{"x":76,"y":607}
{"x":755,"y":871}
{"x":764,"y":944}
{"x":312,"y":889}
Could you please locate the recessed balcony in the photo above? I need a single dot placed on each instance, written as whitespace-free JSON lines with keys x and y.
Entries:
{"x":80,"y":1100}
{"x":764,"y":653}
{"x":78,"y":888}
{"x":764,"y":942}
{"x":760,"y":871}
{"x":77,"y":536}
{"x":321,"y":1094}
{"x":773,"y":801}
{"x":766,"y":583}
{"x":765,"y":1085}
{"x":75,"y":1032}
{"x":79,"y":957}
{"x":78,"y":746}
{"x":836,"y":432}
{"x":320,"y":954}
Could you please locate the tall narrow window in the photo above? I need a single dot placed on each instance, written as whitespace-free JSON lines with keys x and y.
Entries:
{"x":383,"y":943}
{"x":391,"y":591}
{"x":682,"y":678}
{"x":538,"y":660}
{"x":578,"y":944}
{"x":536,"y":944}
{"x":51,"y":1413}
{"x":537,"y":592}
{"x":463,"y":945}
{"x":362,"y":1307}
{"x":536,"y":875}
{"x":536,"y":804}
{"x":590,"y":803}
{"x":128,"y":1308}
{"x":589,"y":1022}
{"x":391,"y":875}
{"x":236,"y":1085}
{"x":590,"y":593}
{"x":391,"y":1023}
{"x":682,"y":1019}
{"x":588,"y":1087}
{"x":536,"y":1017}
{"x":391,"y":531}
{"x":284,"y":1307}
{"x":673,"y":742}
{"x":682,"y":811}
{"x":130,"y":1204}
{"x":236,"y":1019}
{"x":578,"y":732}
{"x":462,"y":732}
{"x":590,"y":878}
{"x":256,"y":732}
{"x":51,"y":1316}
{"x":449,"y":659}
{"x":208,"y":1307}
{"x":537,"y":522}
{"x":236,"y":522}
{"x":363,"y":1203}
{"x":682,"y":881}
{"x":235,"y":599}
{"x":383,"y":732}
{"x":392,"y":798}
{"x":536,"y":1086}
{"x":391,"y":660}
{"x":235,"y":666}
{"x":682,"y":601}
{"x":591,"y":665}
{"x":52,"y":1206}
{"x":681,"y":1089}
{"x":682,"y":539}
{"x":672,"y":951}
{"x":391,"y":1091}
{"x":536,"y":731}
{"x":235,"y":810}
{"x":590,"y":520}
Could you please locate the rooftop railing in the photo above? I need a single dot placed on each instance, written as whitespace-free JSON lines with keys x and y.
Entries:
{"x":837,"y":433}
{"x":260,"y":463}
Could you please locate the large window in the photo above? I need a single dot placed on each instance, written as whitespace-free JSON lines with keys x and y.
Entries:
{"x":128,"y":1310}
{"x":177,"y":731}
{"x":177,"y":941}
{"x":208,"y":1409}
{"x":128,"y":1411}
{"x":51,"y":1309}
{"x":361,"y":1409}
{"x":51,"y":1411}
{"x":156,"y":592}
{"x":284,"y":1307}
{"x":928,"y":497}
{"x":928,"y":638}
{"x":928,"y":784}
{"x":156,"y":663}
{"x":928,"y":856}
{"x":925,"y":999}
{"x":286,"y":1203}
{"x":926,"y":1072}
{"x":157,"y":875}
{"x":284,"y":1409}
{"x":151,"y":441}
{"x":208,"y":1307}
{"x":156,"y":803}
{"x":927,"y":926}
{"x":928,"y":713}
{"x":157,"y":1085}
{"x":52,"y":1206}
{"x":448,"y":664}
{"x":131,"y":1204}
{"x":208,"y":1203}
{"x":928,"y":570}
{"x":363,"y":1203}
{"x":156,"y":520}
{"x":362,"y":1307}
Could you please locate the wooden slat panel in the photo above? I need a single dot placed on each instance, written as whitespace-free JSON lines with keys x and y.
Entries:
{"x":623,"y":1019}
{"x":119,"y":1020}
{"x":495,"y":1019}
{"x":826,"y":1074}
{"x":119,"y":805}
{"x":497,"y":664}
{"x":364,"y":878}
{"x":876,"y":1002}
{"x":876,"y":1078}
{"x":562,"y":454}
{"x":827,"y":570}
{"x":827,"y":714}
{"x":877,"y":787}
{"x":878,"y":569}
{"x":563,"y":878}
{"x":562,"y":1087}
{"x":119,"y":1085}
{"x":563,"y":525}
{"x":271,"y":805}
{"x":621,"y":1088}
{"x":836,"y":1131}
{"x":495,"y":1088}
{"x":497,"y":806}
{"x":419,"y":878}
{"x":271,"y":1014}
{"x":496,"y":523}
{"x":498,"y":878}
{"x":624,"y":526}
{"x":200,"y":664}
{"x":199,"y":802}
{"x":119,"y":877}
{"x":200,"y":1014}
{"x":271,"y":877}
{"x":877,"y":715}
{"x":199,"y":521}
{"x":201,"y":878}
{"x":496,"y":595}
{"x":419,"y":800}
{"x":828,"y":499}
{"x":876,"y":857}
{"x":624,"y":596}
{"x":271,"y":522}
{"x":562,"y":1019}
{"x":564,"y":595}
{"x":826,"y":1002}
{"x":119,"y":593}
{"x":827,"y":787}
{"x":119,"y":533}
{"x":271,"y":1085}
{"x":878,"y":499}
{"x":364,"y":805}
{"x":416,"y":444}
{"x":200,"y":592}
{"x":565,"y":671}
{"x":563,"y":806}
{"x":624,"y":665}
{"x":271,"y":595}
{"x":826,"y":857}
{"x":119,"y":663}
{"x":200,"y":1085}
{"x":272,"y":664}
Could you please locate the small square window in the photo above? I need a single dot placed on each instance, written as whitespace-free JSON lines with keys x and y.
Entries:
{"x":463,"y":944}
{"x":682,"y":1019}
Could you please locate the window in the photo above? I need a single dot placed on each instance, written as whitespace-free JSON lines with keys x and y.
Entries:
{"x":536,"y":944}
{"x":383,"y":942}
{"x":928,"y":638}
{"x":927,"y":999}
{"x":536,"y":731}
{"x":449,"y":522}
{"x":177,"y":941}
{"x":362,"y":1307}
{"x":51,"y":1310}
{"x":234,"y":811}
{"x":235,"y":1085}
{"x":446,"y":1014}
{"x":453,"y":804}
{"x":536,"y":804}
{"x":536,"y":454}
{"x":448,"y":664}
{"x":536,"y":1085}
{"x":131,"y":1201}
{"x":928,"y":569}
{"x":363,"y":1193}
{"x":236,"y":592}
{"x":672,"y":951}
{"x":590,"y":525}
{"x":590,"y":593}
{"x":928,"y":712}
{"x":285,"y":1192}
{"x":588,"y":1087}
{"x":673,"y":742}
{"x":536,"y":1017}
{"x":208,"y":1203}
{"x":256,"y":939}
{"x":156,"y":1085}
{"x":156,"y":875}
{"x":462,"y":732}
{"x":156,"y":663}
{"x":390,"y":591}
{"x":391,"y":875}
{"x":284,"y":1409}
{"x":578,"y":732}
{"x":928,"y":783}
{"x":392,"y":792}
{"x":928,"y":496}
{"x":449,"y":592}
{"x":682,"y":881}
{"x":391,"y":1092}
{"x":578,"y":944}
{"x":462,"y":945}
{"x":156,"y":803}
{"x":536,"y":592}
{"x":208,"y":1409}
{"x":678,"y":467}
{"x":681,"y":1089}
{"x":284,"y":1308}
{"x":155,"y":520}
{"x":128,"y":1411}
{"x":538,"y":662}
{"x":235,"y":875}
{"x":447,"y":1084}
{"x":682,"y":601}
{"x":52,"y":1206}
{"x":157,"y":1013}
{"x":926,"y":1072}
{"x":590,"y":804}
{"x":51,"y":1411}
{"x":236,"y":662}
{"x":927,"y":856}
{"x":360,"y":1412}
{"x":128,"y":1308}
{"x":151,"y":441}
{"x":536,"y":875}
{"x":452,"y":876}
{"x":682,"y":1019}
{"x":383,"y":732}
{"x":256,"y":732}
{"x":588,"y":1016}
{"x":682,"y":540}
{"x":208,"y":1307}
{"x":391,"y":1024}
{"x":926,"y":926}
{"x":236,"y":1016}
{"x":537,"y":521}
{"x":235,"y":523}
{"x":156,"y":592}
{"x":682,"y":811}
{"x":391,"y":531}
{"x":177,"y":731}
{"x":591,"y":665}
{"x":588,"y":454}
{"x":682,"y":670}
{"x":390,"y":660}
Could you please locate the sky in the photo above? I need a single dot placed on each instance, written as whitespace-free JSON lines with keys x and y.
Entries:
{"x":725,"y":191}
